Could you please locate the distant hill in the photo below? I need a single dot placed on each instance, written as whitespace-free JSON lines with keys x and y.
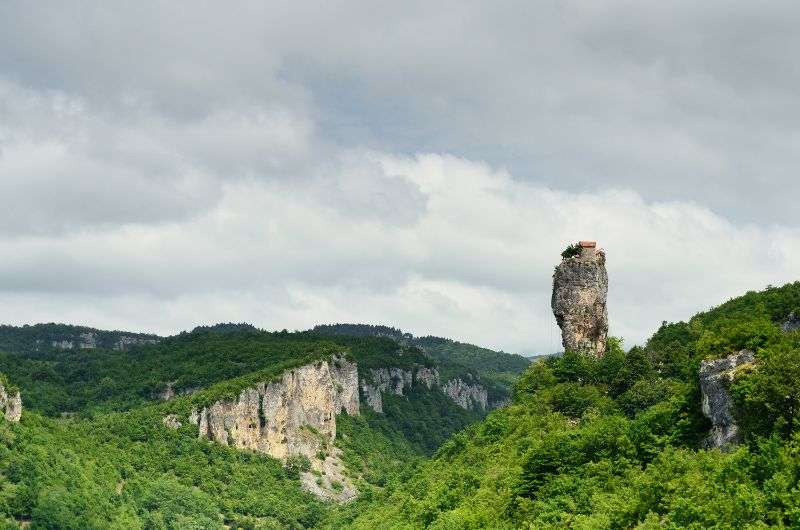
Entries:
{"x":48,"y":337}
{"x":499,"y":369}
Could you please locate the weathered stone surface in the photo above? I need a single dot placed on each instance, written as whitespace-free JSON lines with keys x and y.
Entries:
{"x":127,"y":342}
{"x":580,"y":289}
{"x":469,"y":396}
{"x":10,"y":404}
{"x":792,"y":323}
{"x":397,"y":381}
{"x":88,"y":340}
{"x":715,"y":379}
{"x":295,"y":416}
{"x":93,"y":339}
{"x":382,"y":380}
{"x":427,"y":376}
{"x":171,"y":421}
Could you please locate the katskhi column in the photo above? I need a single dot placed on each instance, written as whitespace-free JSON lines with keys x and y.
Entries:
{"x":580,"y":288}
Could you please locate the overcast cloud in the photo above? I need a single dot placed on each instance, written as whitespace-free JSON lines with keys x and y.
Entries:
{"x":169,"y":164}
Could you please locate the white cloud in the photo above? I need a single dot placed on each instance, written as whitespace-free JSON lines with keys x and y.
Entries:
{"x":474,"y":263}
{"x":290,"y":163}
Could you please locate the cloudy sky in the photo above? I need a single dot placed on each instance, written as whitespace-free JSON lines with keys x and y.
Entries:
{"x":418,"y":164}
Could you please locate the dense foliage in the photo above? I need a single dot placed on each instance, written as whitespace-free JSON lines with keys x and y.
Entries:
{"x":587,"y":443}
{"x":571,"y":251}
{"x":92,"y":451}
{"x":617,"y":442}
{"x":496,"y":370}
{"x":80,"y":381}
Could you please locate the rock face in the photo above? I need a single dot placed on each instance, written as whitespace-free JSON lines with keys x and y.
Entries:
{"x":292,"y":417}
{"x":394,"y":380}
{"x":171,"y":421}
{"x":467,"y":396}
{"x":398,"y":381}
{"x":580,"y":288}
{"x":75,"y":338}
{"x":10,"y":404}
{"x":715,"y":379}
{"x":792,"y":323}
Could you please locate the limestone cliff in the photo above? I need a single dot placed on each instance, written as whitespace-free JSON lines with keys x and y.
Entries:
{"x":580,"y":288}
{"x":715,"y":379}
{"x":92,"y":339}
{"x":468,"y":395}
{"x":292,"y":417}
{"x":10,"y":404}
{"x":792,"y":323}
{"x":395,"y":380}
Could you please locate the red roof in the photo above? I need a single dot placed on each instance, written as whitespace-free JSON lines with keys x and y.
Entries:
{"x":588,"y":244}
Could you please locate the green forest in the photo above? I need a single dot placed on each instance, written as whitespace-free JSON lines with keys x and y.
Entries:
{"x":614,"y":442}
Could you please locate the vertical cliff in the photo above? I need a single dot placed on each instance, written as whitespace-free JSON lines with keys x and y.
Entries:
{"x":395,"y":380}
{"x":469,"y":395}
{"x":580,"y":288}
{"x":10,"y":403}
{"x":292,"y":417}
{"x":715,"y":379}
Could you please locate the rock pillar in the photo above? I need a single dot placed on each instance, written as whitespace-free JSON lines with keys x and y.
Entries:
{"x":580,"y":288}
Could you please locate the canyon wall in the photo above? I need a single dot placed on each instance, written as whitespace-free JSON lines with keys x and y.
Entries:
{"x":294,"y":416}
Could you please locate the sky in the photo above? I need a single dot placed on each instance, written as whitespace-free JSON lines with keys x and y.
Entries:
{"x":417,"y":164}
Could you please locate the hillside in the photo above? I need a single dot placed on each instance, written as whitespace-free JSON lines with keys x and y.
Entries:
{"x":497,"y":369}
{"x":166,"y":435}
{"x":618,"y":442}
{"x":114,"y":427}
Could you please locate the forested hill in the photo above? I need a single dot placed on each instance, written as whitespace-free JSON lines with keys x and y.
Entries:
{"x":106,"y":438}
{"x":48,"y":337}
{"x":498,"y":368}
{"x":619,"y":442}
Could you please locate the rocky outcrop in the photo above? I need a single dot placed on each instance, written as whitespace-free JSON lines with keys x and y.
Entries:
{"x":580,"y":288}
{"x":397,"y":381}
{"x":126,"y":342}
{"x":10,"y":404}
{"x":171,"y":391}
{"x":171,"y":421}
{"x":93,"y":339}
{"x":469,"y":396}
{"x":792,"y":323}
{"x":292,"y":417}
{"x":715,"y":379}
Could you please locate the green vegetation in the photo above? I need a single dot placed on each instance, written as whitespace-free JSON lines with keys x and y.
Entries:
{"x":102,"y":380}
{"x":587,"y":443}
{"x":571,"y":251}
{"x":495,"y":370}
{"x":616,"y":442}
{"x":111,"y":463}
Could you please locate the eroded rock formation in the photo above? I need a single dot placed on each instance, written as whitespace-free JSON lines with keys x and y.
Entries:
{"x":292,"y":417}
{"x":470,"y":396}
{"x":792,"y":323}
{"x":395,"y":380}
{"x":10,"y":404}
{"x":90,"y":340}
{"x":580,"y":288}
{"x":715,"y":379}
